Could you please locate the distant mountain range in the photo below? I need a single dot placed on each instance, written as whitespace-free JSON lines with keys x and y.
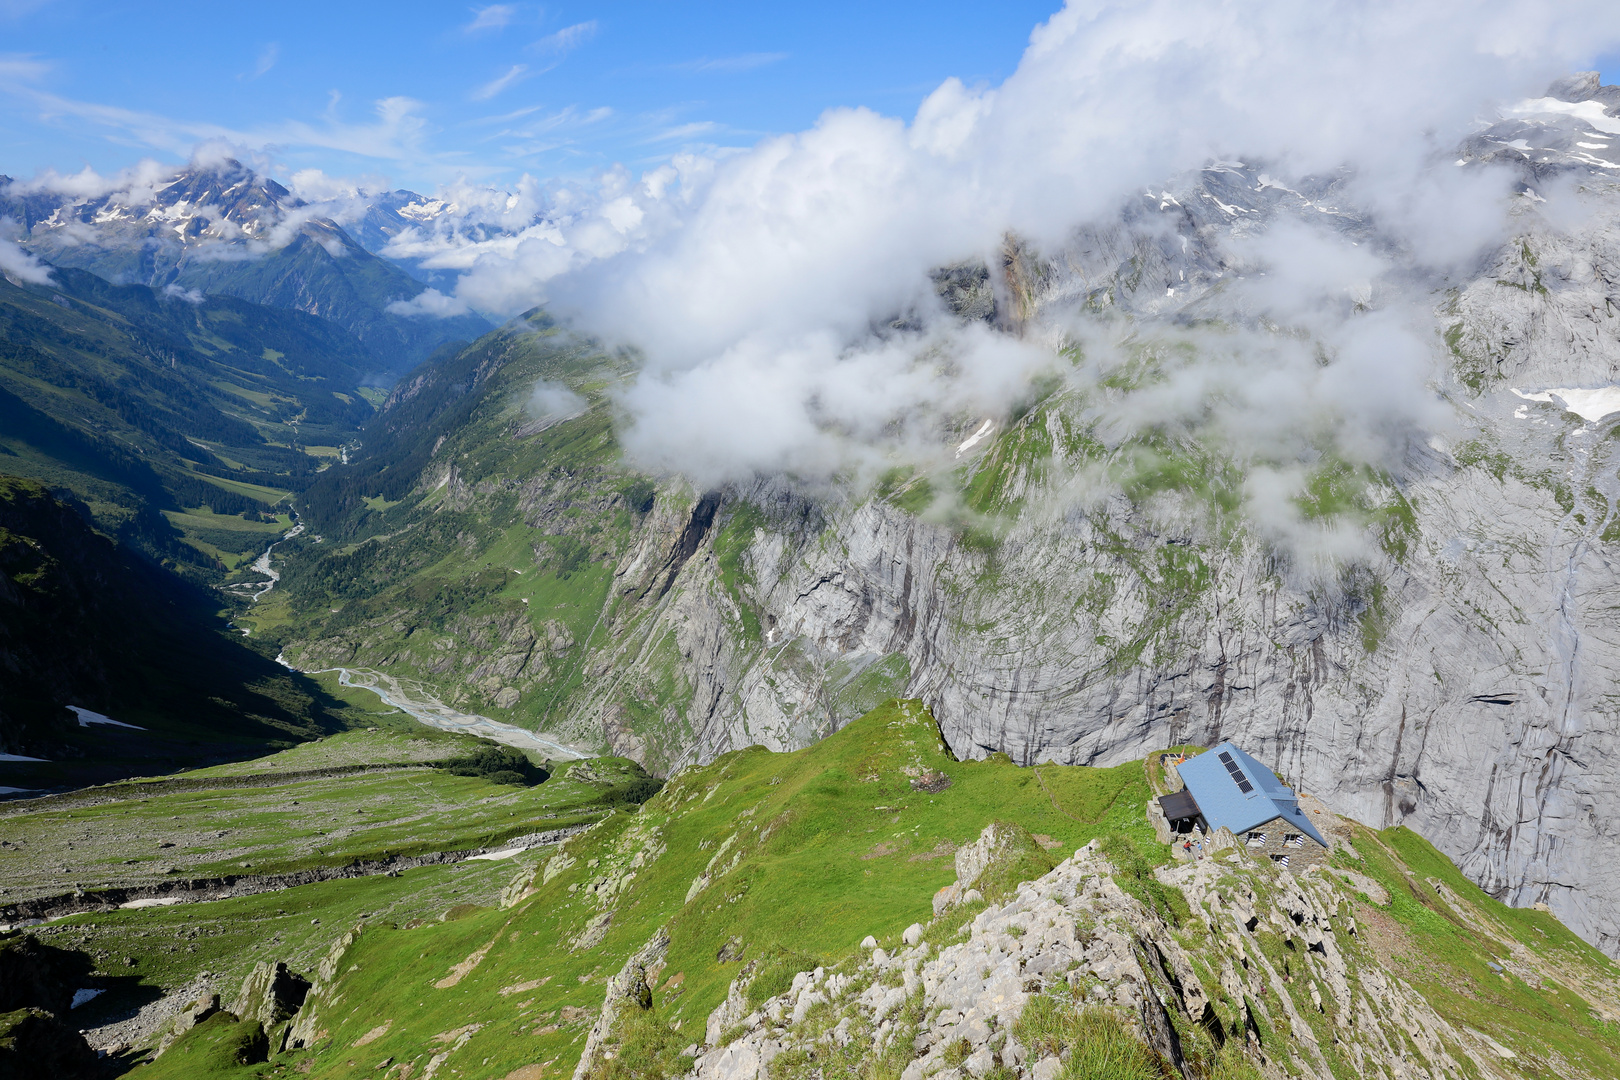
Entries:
{"x":184,"y":360}
{"x":225,"y":230}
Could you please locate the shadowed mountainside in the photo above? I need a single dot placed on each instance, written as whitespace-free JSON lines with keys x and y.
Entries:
{"x":86,"y":622}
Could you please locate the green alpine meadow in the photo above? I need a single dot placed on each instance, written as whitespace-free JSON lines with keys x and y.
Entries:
{"x":1033,"y":541}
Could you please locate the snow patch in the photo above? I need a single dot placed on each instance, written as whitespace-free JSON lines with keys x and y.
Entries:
{"x":1590,"y":405}
{"x":81,"y":997}
{"x":974,"y":439}
{"x":1592,"y":112}
{"x":493,"y":856}
{"x":87,"y":717}
{"x":19,"y":757}
{"x":151,"y":901}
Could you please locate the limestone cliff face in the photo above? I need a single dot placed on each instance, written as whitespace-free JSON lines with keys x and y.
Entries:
{"x":1471,"y":702}
{"x":1082,"y":595}
{"x":1455,"y":679}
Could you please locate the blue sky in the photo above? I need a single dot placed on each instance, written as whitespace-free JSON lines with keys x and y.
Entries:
{"x":489,"y":91}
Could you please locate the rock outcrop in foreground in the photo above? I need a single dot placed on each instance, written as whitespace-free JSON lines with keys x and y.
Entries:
{"x":1260,"y":972}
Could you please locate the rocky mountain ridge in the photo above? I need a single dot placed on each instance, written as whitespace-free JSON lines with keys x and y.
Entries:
{"x":224,"y":229}
{"x":1285,"y":980}
{"x":769,"y":915}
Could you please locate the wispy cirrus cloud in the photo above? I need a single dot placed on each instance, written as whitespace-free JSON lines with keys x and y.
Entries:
{"x":267,"y":60}
{"x":17,"y":68}
{"x":564,"y":41}
{"x":546,"y":132}
{"x":490,"y":19}
{"x":514,"y":74}
{"x":567,"y":117}
{"x":397,"y":132}
{"x":16,"y":9}
{"x":684,"y":131}
{"x":730,"y":64}
{"x":506,"y":117}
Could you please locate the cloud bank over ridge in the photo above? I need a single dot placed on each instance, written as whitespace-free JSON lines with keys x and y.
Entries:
{"x":752,"y":283}
{"x":782,"y":297}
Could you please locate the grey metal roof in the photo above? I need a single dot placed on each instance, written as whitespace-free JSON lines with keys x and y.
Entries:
{"x":1178,"y":805}
{"x":1218,"y":787}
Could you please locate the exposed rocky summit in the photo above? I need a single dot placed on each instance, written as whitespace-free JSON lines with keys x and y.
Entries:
{"x":1280,"y":971}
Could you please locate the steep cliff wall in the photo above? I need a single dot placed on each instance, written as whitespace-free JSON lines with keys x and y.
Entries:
{"x":1419,"y":631}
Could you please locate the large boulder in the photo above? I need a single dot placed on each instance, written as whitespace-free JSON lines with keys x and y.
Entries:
{"x":202,"y":1009}
{"x":34,"y":975}
{"x":1003,"y":855}
{"x":35,"y":1045}
{"x":271,"y":994}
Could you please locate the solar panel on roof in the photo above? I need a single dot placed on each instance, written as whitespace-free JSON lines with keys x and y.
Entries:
{"x":1236,"y":773}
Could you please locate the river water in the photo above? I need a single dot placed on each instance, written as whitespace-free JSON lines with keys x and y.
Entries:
{"x":422,"y":706}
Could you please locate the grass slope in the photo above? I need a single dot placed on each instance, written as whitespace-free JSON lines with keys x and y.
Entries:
{"x":436,"y":574}
{"x":806,"y":853}
{"x":1517,"y":974}
{"x":139,"y":402}
{"x":781,"y":860}
{"x":359,"y":795}
{"x":276,"y":817}
{"x":86,"y":622}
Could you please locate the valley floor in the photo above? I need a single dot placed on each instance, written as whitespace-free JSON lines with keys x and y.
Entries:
{"x":867,"y":907}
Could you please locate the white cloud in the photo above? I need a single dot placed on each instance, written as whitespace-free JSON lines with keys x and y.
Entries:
{"x":190,"y":296}
{"x":553,"y":400}
{"x":493,"y":17}
{"x":135,"y":185}
{"x":565,"y":40}
{"x":514,"y":74}
{"x":685,"y":131}
{"x":313,"y":185}
{"x":752,"y":282}
{"x":397,"y":133}
{"x":731,"y":64}
{"x":16,"y":9}
{"x":429,"y":302}
{"x":17,"y":263}
{"x":21,"y":68}
{"x":267,"y":60}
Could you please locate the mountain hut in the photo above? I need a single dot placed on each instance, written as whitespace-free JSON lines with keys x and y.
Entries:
{"x":1226,"y":788}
